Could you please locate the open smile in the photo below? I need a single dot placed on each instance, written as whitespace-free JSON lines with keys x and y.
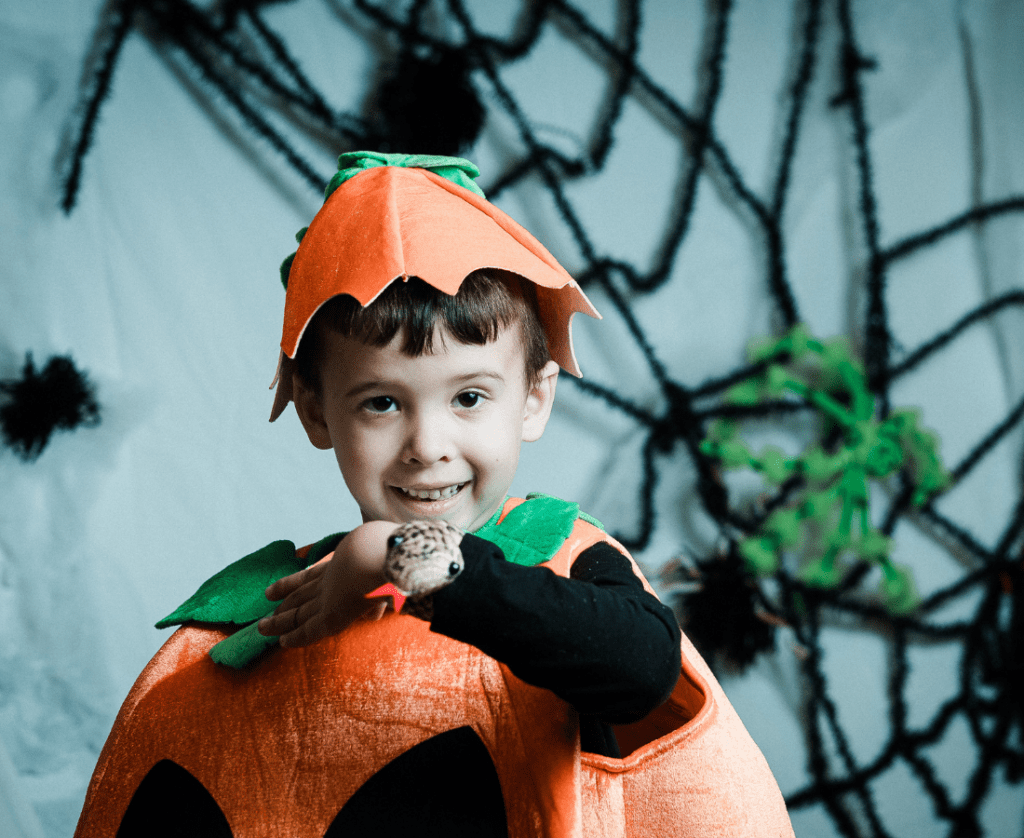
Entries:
{"x":432,"y":494}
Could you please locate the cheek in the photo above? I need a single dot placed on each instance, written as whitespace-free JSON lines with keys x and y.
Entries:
{"x":358,"y":453}
{"x":500,"y":442}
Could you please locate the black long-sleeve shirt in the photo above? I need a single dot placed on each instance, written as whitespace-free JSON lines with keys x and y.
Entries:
{"x":597,"y":640}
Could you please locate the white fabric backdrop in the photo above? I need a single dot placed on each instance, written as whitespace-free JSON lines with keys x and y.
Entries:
{"x":162,"y":284}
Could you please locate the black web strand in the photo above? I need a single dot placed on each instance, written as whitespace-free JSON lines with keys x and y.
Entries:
{"x":537,"y":13}
{"x":556,"y":191}
{"x":777,"y":281}
{"x":876,"y":336}
{"x":1010,"y":299}
{"x":648,"y":485}
{"x":712,"y":71}
{"x":182,"y":24}
{"x":624,"y":72}
{"x":819,"y":709}
{"x":691,"y":126}
{"x":1014,"y":530}
{"x":963,"y":586}
{"x":963,"y":538}
{"x":988,"y":442}
{"x":797,"y":102}
{"x":911,"y":244}
{"x":615,"y":400}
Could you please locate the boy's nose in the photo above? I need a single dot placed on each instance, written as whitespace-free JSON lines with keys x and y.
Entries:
{"x":426,"y":441}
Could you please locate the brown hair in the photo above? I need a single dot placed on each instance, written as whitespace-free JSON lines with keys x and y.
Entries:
{"x":488,"y":301}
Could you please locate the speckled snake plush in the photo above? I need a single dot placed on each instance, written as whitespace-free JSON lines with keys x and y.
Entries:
{"x":423,"y":557}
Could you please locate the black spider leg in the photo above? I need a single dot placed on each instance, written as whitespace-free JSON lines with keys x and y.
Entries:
{"x":114,"y":26}
{"x":217,"y":61}
{"x":345,"y":126}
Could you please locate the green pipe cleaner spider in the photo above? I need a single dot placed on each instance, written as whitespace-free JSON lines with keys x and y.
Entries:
{"x":826,"y":514}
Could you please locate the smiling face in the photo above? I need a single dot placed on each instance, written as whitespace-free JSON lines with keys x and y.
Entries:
{"x":435,"y":435}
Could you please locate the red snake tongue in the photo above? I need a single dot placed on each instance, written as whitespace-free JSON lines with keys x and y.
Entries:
{"x":388,"y":589}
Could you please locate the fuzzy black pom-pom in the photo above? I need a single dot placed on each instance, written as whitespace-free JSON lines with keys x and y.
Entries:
{"x":60,"y":397}
{"x":720,"y":614}
{"x":427,"y":104}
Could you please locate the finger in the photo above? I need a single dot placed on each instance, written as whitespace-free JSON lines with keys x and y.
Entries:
{"x":287,"y":584}
{"x":306,"y":629}
{"x":283,"y":621}
{"x":297,"y":598}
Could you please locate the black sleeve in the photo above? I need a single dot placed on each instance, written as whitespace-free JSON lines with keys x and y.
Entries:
{"x":597,"y":640}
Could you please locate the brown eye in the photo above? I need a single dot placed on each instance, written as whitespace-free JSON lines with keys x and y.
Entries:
{"x":468,"y":399}
{"x":381,"y":404}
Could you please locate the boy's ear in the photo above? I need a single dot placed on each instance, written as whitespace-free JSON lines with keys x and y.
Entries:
{"x":539,"y":401}
{"x":311,"y":413}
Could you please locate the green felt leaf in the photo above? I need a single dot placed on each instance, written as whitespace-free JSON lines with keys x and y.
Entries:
{"x":534,"y":531}
{"x":242,"y":647}
{"x":235,"y":595}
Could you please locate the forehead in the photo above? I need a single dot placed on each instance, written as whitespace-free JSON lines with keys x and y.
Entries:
{"x":348,"y":362}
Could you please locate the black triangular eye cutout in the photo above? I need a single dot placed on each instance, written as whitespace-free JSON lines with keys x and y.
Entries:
{"x":445,"y":787}
{"x":171,"y":803}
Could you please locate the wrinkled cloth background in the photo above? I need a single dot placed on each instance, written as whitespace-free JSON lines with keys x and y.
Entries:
{"x":163,"y":286}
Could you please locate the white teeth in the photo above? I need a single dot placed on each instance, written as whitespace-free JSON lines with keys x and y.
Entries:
{"x":433,"y":494}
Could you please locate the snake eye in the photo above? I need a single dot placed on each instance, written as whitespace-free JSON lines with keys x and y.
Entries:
{"x":394,"y":540}
{"x":454,"y":568}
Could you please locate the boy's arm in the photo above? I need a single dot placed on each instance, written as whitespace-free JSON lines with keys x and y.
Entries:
{"x":598,"y":640}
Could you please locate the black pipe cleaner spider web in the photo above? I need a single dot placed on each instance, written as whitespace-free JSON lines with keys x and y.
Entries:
{"x":445,"y":78}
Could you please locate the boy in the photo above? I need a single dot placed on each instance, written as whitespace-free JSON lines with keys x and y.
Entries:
{"x":423,"y":335}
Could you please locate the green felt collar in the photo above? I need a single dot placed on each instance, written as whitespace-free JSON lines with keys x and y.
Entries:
{"x":529,"y":534}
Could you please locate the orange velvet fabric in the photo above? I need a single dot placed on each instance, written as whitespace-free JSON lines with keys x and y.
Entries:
{"x":282,"y":746}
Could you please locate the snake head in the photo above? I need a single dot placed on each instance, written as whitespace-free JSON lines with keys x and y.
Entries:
{"x":422,"y":557}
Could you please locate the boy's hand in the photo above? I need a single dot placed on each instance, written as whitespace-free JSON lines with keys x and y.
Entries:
{"x":327,"y":597}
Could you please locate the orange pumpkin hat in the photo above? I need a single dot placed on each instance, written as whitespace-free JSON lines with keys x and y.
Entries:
{"x":393,"y":216}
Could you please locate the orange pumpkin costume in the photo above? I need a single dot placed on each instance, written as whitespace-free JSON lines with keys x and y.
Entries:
{"x":282,"y":747}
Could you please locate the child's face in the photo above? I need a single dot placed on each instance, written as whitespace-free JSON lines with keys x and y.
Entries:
{"x":434,"y":436}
